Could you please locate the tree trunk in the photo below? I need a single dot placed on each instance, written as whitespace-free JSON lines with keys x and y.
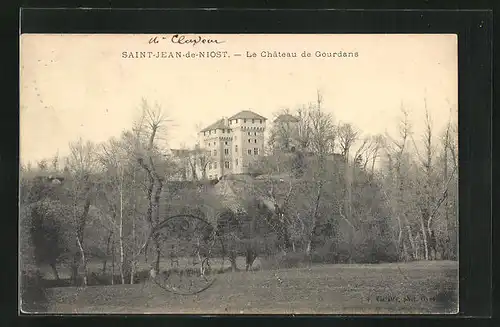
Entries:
{"x":308,"y":248}
{"x":314,"y":219}
{"x":108,"y":248}
{"x":74,"y":271}
{"x":122,"y":253}
{"x":133,"y":262}
{"x":401,"y":249}
{"x":113,"y":262}
{"x":424,"y":237}
{"x":84,"y":261}
{"x":54,"y":270}
{"x":232,"y":259}
{"x":250,"y":257}
{"x":412,"y":241}
{"x":445,"y":179}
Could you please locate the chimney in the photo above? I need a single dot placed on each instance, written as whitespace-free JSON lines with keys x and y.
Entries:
{"x":226,"y":121}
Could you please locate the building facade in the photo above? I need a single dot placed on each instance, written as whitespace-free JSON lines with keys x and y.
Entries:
{"x":285,"y":133}
{"x":232,"y":144}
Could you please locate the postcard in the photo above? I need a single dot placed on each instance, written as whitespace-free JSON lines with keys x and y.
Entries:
{"x":238,"y":174}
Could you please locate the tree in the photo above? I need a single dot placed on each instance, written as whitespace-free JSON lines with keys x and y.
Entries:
{"x":81,"y":167}
{"x":449,"y":169}
{"x":42,"y":165}
{"x":113,"y":186}
{"x":347,"y":136}
{"x":322,"y":142}
{"x":152,"y":124}
{"x":427,"y":192}
{"x":398,"y":194}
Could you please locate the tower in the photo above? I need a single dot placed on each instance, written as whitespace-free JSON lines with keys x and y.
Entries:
{"x":248,"y":129}
{"x":286,"y":132}
{"x":233,"y":143}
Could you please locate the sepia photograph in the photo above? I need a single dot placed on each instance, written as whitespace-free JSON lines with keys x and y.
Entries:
{"x":238,"y":174}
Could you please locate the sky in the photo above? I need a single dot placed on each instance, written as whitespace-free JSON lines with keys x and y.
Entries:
{"x":76,"y":86}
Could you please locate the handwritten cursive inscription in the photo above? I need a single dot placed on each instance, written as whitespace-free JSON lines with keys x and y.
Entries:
{"x":182,"y":39}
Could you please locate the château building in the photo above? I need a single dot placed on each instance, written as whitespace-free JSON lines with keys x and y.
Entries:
{"x":285,"y":132}
{"x":228,"y":146}
{"x":233,"y":143}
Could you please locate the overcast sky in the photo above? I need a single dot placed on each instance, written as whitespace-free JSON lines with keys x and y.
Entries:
{"x":80,"y":86}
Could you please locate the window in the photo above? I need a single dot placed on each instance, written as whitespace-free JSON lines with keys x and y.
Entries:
{"x":255,"y":141}
{"x":253,"y":121}
{"x":236,"y":121}
{"x":256,"y":151}
{"x":209,"y":143}
{"x":249,"y":140}
{"x":204,"y":133}
{"x":250,"y":151}
{"x":260,"y":121}
{"x":223,"y":130}
{"x":215,"y":153}
{"x":236,"y":148}
{"x":215,"y":165}
{"x":249,"y":133}
{"x":236,"y":162}
{"x":209,"y":165}
{"x":255,"y":133}
{"x":226,"y":151}
{"x":226,"y":164}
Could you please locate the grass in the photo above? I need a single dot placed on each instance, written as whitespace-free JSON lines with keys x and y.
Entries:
{"x":405,"y":288}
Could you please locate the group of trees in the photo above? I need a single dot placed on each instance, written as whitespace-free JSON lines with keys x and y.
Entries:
{"x":339,"y":195}
{"x":372,"y":197}
{"x":102,"y":203}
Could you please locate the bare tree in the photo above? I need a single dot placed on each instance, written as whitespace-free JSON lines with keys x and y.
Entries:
{"x":450,"y":166}
{"x":396,"y":150}
{"x":81,"y":166}
{"x":55,"y":162}
{"x":113,"y":160}
{"x":322,"y":132}
{"x":427,"y":193}
{"x":42,"y":165}
{"x":303,"y":136}
{"x":153,"y":123}
{"x":347,"y":135}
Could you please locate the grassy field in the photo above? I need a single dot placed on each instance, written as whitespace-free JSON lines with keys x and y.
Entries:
{"x":406,"y":288}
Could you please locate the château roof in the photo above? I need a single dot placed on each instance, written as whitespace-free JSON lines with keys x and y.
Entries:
{"x":217,"y":125}
{"x":247,"y":114}
{"x":286,"y":118}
